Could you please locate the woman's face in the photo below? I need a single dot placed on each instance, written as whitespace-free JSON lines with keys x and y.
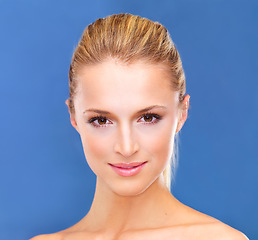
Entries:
{"x":127,"y":116}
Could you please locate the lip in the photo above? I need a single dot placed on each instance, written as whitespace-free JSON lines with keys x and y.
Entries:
{"x":127,"y":169}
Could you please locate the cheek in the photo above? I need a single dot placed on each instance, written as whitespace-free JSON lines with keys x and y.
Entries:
{"x":160,"y":145}
{"x":96,"y":149}
{"x":163,"y":144}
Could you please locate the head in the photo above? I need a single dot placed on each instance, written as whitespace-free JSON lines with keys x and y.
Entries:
{"x":130,"y":46}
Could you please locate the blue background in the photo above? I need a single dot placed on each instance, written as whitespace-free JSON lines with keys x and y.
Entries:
{"x":45,"y":183}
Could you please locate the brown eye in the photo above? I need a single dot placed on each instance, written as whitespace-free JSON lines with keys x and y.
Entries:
{"x":102,"y":121}
{"x":99,"y":121}
{"x":148,"y":118}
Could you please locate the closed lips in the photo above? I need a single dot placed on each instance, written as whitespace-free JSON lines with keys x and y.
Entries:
{"x":127,"y":165}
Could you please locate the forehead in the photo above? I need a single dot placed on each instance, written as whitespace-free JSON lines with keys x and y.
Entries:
{"x":111,"y":83}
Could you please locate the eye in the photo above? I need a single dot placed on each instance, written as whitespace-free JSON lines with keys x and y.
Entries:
{"x":99,"y":121}
{"x":150,"y":118}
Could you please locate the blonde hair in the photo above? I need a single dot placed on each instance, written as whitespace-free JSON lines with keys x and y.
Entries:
{"x":128,"y":38}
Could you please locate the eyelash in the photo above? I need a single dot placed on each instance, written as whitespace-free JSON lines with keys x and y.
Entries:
{"x":148,"y":114}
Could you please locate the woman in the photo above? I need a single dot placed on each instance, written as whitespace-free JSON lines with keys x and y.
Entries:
{"x":127,"y":101}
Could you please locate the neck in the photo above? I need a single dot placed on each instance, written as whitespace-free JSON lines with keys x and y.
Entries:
{"x":116,"y":213}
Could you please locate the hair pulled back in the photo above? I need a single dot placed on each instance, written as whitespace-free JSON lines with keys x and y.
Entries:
{"x":127,"y":38}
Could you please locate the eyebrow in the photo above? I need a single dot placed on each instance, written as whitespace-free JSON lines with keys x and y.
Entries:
{"x":139,"y":112}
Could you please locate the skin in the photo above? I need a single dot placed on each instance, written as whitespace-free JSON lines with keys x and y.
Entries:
{"x":139,"y":206}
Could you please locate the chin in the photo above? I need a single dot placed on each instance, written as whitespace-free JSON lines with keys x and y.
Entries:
{"x":130,"y":192}
{"x":130,"y":188}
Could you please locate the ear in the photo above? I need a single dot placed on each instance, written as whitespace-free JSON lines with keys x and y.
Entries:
{"x":72,"y":116}
{"x":183,"y":113}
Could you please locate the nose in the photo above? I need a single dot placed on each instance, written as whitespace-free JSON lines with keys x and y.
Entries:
{"x":126,"y":144}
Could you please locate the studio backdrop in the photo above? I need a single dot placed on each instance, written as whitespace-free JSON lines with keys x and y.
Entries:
{"x":45,"y":182}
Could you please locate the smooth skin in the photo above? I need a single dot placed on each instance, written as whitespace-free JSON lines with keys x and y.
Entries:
{"x":130,"y":113}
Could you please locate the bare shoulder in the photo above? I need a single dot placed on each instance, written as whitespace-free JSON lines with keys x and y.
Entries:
{"x":190,"y":224}
{"x":202,"y":231}
{"x":54,"y":236}
{"x":203,"y":226}
{"x":219,"y":230}
{"x":213,"y":229}
{"x":68,"y":235}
